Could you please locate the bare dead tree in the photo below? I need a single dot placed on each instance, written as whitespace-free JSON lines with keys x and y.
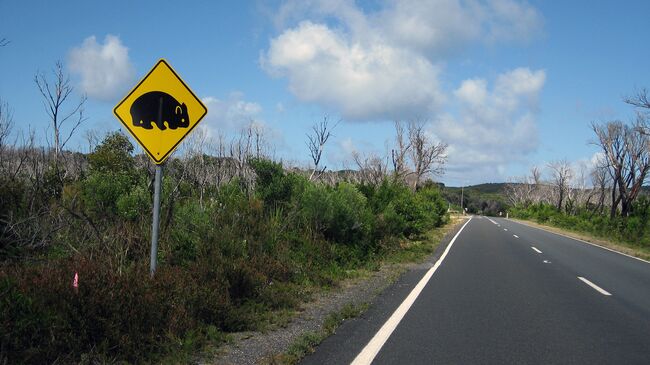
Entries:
{"x":627,"y":152}
{"x":240,"y":153}
{"x":261,"y":146}
{"x":637,"y":164}
{"x":93,"y":138}
{"x":427,"y":156}
{"x":372,"y":169}
{"x":561,"y":174}
{"x":6,"y":125}
{"x":601,"y":181}
{"x":640,"y":99}
{"x":400,"y":153}
{"x":316,"y":140}
{"x":525,"y":190}
{"x":611,"y":139}
{"x":206,"y":162}
{"x":55,"y":94}
{"x":537,"y":191}
{"x":516,"y":192}
{"x":579,"y":194}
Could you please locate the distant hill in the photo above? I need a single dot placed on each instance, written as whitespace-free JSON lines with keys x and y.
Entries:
{"x":488,"y":199}
{"x":487,"y":188}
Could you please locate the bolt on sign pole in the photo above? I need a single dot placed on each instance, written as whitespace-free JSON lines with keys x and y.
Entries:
{"x":160,"y":112}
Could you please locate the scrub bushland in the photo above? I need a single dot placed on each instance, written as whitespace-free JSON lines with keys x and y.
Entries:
{"x":230,"y":254}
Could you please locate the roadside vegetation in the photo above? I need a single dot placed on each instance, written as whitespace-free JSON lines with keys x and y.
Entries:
{"x":609,"y":201}
{"x":633,"y":232}
{"x":243,"y":239}
{"x":224,"y":264}
{"x":485,"y":199}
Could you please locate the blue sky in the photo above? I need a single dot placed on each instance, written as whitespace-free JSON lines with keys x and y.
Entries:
{"x":507,"y":84}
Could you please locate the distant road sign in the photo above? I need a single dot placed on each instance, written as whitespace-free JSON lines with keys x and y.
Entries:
{"x":160,"y":111}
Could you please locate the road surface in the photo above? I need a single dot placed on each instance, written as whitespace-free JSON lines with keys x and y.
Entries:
{"x":505,"y":293}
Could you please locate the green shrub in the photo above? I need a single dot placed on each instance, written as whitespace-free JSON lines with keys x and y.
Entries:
{"x":272,"y":185}
{"x":351,"y":221}
{"x":113,"y":181}
{"x":113,"y":155}
{"x":134,"y":204}
{"x":314,"y":206}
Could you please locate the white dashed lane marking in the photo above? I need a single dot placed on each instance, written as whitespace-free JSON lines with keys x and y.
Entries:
{"x":594,"y":286}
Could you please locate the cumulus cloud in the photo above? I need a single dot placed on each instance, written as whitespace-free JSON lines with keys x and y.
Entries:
{"x":359,"y":81}
{"x":493,"y":127}
{"x":105,"y":70}
{"x":384,"y":64}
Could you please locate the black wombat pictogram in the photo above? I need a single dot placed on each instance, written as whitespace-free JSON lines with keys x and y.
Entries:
{"x":145,"y":109}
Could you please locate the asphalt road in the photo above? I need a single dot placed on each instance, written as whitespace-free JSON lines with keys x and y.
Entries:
{"x":506,"y":293}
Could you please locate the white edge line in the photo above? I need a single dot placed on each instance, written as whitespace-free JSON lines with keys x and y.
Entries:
{"x":536,"y":250}
{"x":583,"y":241}
{"x":373,"y":347}
{"x":596,"y":287}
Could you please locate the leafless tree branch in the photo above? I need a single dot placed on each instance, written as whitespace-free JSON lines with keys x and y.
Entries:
{"x":400,"y":153}
{"x":316,"y":140}
{"x":54,"y":97}
{"x":427,"y":156}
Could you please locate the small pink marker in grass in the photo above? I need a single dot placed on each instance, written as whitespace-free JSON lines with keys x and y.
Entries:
{"x":75,"y":282}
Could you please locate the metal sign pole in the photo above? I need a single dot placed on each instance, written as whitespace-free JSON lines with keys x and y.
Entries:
{"x":156,"y":219}
{"x":156,"y":206}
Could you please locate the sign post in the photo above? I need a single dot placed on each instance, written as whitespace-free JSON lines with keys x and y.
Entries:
{"x":156,"y":220}
{"x":159,"y":112}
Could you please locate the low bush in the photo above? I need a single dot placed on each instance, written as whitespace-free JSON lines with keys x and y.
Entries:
{"x":226,"y":261}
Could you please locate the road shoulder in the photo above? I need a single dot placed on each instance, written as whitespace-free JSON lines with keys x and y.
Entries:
{"x":637,"y":253}
{"x":314,"y":318}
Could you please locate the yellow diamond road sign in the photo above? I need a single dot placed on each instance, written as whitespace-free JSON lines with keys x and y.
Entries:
{"x":160,"y":111}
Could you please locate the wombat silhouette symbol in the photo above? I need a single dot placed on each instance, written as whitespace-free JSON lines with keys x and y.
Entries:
{"x":145,"y":111}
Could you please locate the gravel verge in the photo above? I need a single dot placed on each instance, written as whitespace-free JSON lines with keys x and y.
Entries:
{"x":248,"y":348}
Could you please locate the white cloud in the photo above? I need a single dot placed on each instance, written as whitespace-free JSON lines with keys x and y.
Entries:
{"x":359,"y":81}
{"x":105,"y":69}
{"x":493,"y":128}
{"x":384,"y":64}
